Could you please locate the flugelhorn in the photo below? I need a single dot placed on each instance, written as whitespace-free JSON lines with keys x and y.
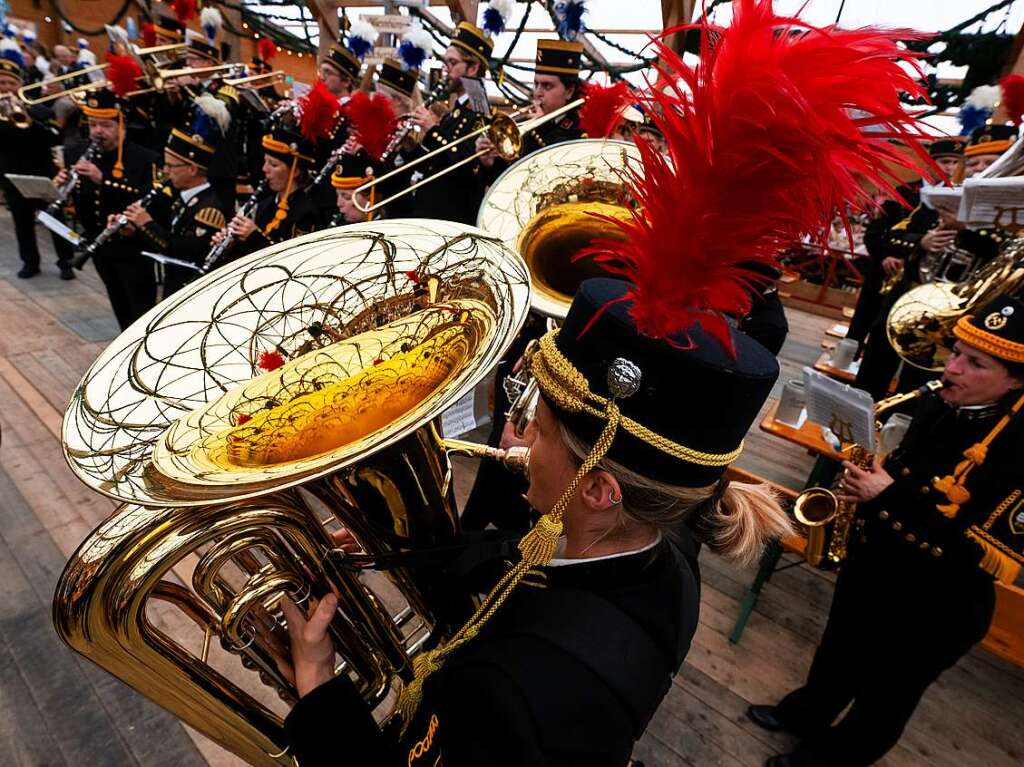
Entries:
{"x":12,"y":110}
{"x":506,"y":137}
{"x":247,"y":416}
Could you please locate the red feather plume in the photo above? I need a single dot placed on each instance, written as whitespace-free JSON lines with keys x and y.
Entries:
{"x":1012,"y":87}
{"x":122,"y":74}
{"x":320,"y":110}
{"x":184,"y":10}
{"x":270,"y":360}
{"x":266,"y":49}
{"x":373,"y":121}
{"x":148,"y":34}
{"x":771,"y":135}
{"x":602,"y":108}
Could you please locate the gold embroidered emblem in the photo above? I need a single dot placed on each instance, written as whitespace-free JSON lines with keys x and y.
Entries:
{"x":1016,"y":518}
{"x":423,"y":746}
{"x":212,"y":218}
{"x":995,"y":321}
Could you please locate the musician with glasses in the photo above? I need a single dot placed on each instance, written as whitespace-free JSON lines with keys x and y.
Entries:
{"x":943,"y":519}
{"x":926,"y":233}
{"x":184,"y":229}
{"x":456,"y":196}
{"x":119,"y":174}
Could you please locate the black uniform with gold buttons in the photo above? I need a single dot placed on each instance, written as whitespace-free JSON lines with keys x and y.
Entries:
{"x":456,"y":196}
{"x":184,"y":229}
{"x":129,"y":172}
{"x":918,"y":589}
{"x":903,"y":241}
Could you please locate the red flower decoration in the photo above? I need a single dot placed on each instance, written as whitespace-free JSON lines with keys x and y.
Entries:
{"x":270,"y":360}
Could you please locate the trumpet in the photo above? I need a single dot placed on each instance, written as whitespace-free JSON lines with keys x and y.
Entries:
{"x":12,"y":110}
{"x":504,"y":133}
{"x":30,"y":93}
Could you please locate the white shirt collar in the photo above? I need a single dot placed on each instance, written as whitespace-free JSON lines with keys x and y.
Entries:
{"x":559,"y":561}
{"x":188,"y":194}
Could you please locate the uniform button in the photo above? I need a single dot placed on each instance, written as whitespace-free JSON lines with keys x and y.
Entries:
{"x":910,"y":537}
{"x":925,"y":489}
{"x":863,"y":539}
{"x":904,"y":472}
{"x":897,"y":526}
{"x":924,"y":546}
{"x":883,"y":514}
{"x":936,"y":551}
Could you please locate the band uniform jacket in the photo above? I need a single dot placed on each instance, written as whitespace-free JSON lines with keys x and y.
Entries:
{"x":455,"y":196}
{"x":95,"y":202}
{"x":27,"y":151}
{"x":891,"y":213}
{"x":520,"y":693}
{"x":905,"y":523}
{"x":303,"y":217}
{"x":184,"y":231}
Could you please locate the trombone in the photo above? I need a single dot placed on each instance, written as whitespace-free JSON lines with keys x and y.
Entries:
{"x":32,"y":88}
{"x":160,"y":77}
{"x":265,"y":80}
{"x":506,"y":137}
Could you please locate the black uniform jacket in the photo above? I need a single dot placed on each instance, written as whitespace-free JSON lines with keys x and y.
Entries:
{"x":27,"y":151}
{"x":303,"y":217}
{"x":456,"y":195}
{"x":184,"y":231}
{"x":903,"y":522}
{"x":523,"y":694}
{"x":94,"y":202}
{"x":903,"y":240}
{"x":890,"y":214}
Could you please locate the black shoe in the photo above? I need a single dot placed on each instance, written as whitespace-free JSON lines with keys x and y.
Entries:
{"x":28,"y":271}
{"x":67,"y":273}
{"x":765,"y":718}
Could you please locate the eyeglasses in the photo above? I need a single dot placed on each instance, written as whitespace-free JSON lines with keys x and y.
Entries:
{"x":175,"y":165}
{"x":452,"y":62}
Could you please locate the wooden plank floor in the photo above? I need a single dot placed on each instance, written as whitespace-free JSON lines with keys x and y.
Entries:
{"x":56,"y":709}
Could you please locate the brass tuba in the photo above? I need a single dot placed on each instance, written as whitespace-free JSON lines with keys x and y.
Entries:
{"x":920,"y":323}
{"x":543,"y":206}
{"x":283,"y":396}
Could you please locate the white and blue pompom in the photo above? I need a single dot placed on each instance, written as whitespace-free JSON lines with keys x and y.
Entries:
{"x":361,"y":37}
{"x":85,"y":56}
{"x":978,"y":107}
{"x":10,"y":32}
{"x":132,"y":28}
{"x":28,"y":37}
{"x":42,"y":66}
{"x":212,"y":118}
{"x":415,"y":47}
{"x":83,"y":44}
{"x":570,"y":18}
{"x":497,"y":16}
{"x":9,"y":50}
{"x":210,"y":20}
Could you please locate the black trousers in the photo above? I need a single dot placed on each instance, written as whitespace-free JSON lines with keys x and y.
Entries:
{"x":130,"y":279}
{"x":23,"y":213}
{"x":869,"y":302}
{"x":891,"y":632}
{"x":880,"y":361}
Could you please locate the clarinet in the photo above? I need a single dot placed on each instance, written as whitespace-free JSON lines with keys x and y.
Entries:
{"x":228,"y":239}
{"x":439,"y":90}
{"x":119,"y":223}
{"x":64,"y":190}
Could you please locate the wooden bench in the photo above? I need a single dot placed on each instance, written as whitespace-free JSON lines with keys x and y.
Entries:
{"x":1005,"y":637}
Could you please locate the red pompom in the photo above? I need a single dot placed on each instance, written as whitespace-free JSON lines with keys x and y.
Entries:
{"x":184,"y":10}
{"x":266,"y":49}
{"x":1012,"y":87}
{"x":242,"y":418}
{"x":778,"y":128}
{"x":373,"y":121}
{"x":148,"y":34}
{"x":123,"y":74}
{"x":320,"y":109}
{"x":270,"y":360}
{"x":602,"y":108}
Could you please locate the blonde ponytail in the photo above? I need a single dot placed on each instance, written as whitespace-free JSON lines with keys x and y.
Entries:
{"x":745,"y":518}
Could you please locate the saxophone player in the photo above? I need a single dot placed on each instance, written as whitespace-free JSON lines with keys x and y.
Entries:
{"x":941,"y":521}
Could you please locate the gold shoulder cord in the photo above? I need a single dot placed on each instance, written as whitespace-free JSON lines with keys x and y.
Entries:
{"x":569,"y":389}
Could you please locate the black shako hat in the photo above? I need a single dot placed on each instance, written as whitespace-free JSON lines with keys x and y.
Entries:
{"x":689,"y":390}
{"x":997,"y":328}
{"x":472,"y":40}
{"x":947,"y":147}
{"x":990,"y":139}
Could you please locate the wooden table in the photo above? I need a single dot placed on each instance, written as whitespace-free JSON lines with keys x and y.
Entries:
{"x":824,"y":365}
{"x":838,"y":331}
{"x":807,"y":436}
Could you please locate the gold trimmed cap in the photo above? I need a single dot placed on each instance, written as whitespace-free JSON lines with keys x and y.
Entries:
{"x":472,"y":40}
{"x":343,"y":60}
{"x":102,"y":104}
{"x":990,"y":139}
{"x":190,"y":148}
{"x":559,"y":57}
{"x":997,"y":329}
{"x":392,"y":75}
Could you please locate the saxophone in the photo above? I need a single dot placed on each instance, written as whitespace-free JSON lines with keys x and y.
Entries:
{"x":828,"y":519}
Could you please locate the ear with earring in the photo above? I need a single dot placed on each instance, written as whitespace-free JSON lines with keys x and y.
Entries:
{"x":612,"y":500}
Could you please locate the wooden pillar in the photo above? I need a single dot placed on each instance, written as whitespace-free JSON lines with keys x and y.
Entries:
{"x":326,"y":14}
{"x":463,"y":10}
{"x":674,"y":13}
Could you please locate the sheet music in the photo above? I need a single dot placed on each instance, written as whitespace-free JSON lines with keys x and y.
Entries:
{"x":939,"y":195}
{"x":847,"y":412}
{"x":59,"y":228}
{"x":992,"y":201}
{"x":460,"y":418}
{"x":476,"y":91}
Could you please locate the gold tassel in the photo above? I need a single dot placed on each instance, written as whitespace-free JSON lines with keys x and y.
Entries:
{"x":538,"y":546}
{"x":994,"y":562}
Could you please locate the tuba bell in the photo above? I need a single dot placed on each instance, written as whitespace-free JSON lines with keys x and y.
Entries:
{"x":544,"y":207}
{"x":283,"y":396}
{"x":920,"y":323}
